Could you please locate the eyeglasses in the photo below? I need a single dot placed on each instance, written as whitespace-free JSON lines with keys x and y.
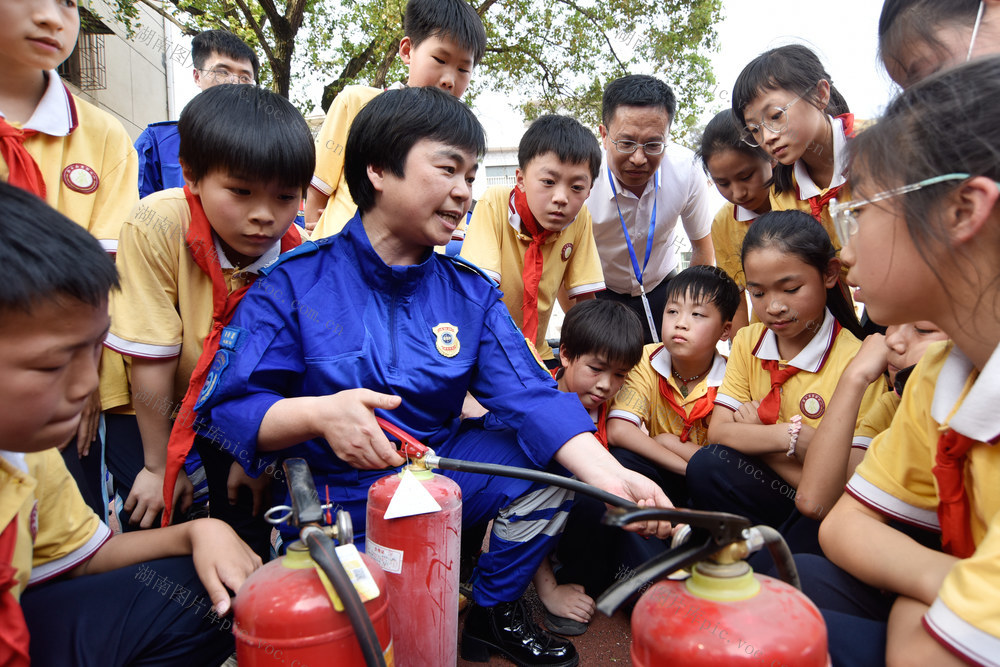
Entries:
{"x":845,"y":215}
{"x":774,"y":119}
{"x":225,"y":76}
{"x":975,"y":30}
{"x":649,"y":148}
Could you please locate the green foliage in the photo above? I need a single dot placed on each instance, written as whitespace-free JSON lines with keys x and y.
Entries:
{"x":555,"y":54}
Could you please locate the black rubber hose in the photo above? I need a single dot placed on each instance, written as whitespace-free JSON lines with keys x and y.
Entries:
{"x":781,"y":554}
{"x":530,"y":475}
{"x":322,"y":551}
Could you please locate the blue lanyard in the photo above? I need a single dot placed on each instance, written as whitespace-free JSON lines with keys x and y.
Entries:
{"x":652,"y":227}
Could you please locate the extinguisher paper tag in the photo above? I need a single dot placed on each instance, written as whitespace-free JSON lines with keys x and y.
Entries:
{"x":411,"y":498}
{"x":357,"y":572}
{"x":390,"y":560}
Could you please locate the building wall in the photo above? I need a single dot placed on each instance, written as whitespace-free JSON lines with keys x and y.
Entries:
{"x":135,"y":70}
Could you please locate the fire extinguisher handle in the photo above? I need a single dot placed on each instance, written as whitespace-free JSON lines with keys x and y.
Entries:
{"x":410,"y":445}
{"x":306,"y":507}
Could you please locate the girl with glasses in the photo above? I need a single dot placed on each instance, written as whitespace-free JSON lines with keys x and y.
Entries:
{"x":919,"y":37}
{"x":924,"y":247}
{"x":786,"y":103}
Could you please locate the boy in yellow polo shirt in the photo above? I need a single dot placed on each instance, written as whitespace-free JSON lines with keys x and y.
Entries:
{"x":660,"y":417}
{"x":539,"y":236}
{"x":186,"y":257}
{"x":445,"y":40}
{"x":111,"y":602}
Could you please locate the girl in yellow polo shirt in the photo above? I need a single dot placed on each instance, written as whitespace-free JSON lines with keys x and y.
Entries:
{"x":923,"y":243}
{"x":742,"y":173}
{"x":780,"y":376}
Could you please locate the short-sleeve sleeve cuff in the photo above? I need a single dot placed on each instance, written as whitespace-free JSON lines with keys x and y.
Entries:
{"x":961,"y":637}
{"x":321,"y":185}
{"x":727,"y":401}
{"x":626,"y":415}
{"x":861,"y":442}
{"x":141,"y":350}
{"x":585,"y":289}
{"x":54,"y":568}
{"x":885,"y":503}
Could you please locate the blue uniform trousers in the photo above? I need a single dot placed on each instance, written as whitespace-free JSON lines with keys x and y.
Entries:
{"x":154,"y":613}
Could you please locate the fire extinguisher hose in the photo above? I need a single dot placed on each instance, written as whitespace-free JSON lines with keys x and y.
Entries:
{"x":781,"y":554}
{"x":531,"y":475}
{"x":321,"y":550}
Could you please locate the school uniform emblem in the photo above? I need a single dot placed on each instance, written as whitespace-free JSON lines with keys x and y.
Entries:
{"x":219,"y":363}
{"x":567,"y":250}
{"x":446,"y":340}
{"x":812,"y":405}
{"x":80,"y":178}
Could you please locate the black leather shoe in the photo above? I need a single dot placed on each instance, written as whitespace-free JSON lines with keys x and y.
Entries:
{"x":509,"y":629}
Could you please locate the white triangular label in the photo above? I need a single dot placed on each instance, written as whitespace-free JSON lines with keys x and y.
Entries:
{"x":411,"y":498}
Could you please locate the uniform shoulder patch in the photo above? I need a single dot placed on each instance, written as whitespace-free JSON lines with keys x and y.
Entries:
{"x":219,"y":363}
{"x":306,"y":248}
{"x":466,"y":265}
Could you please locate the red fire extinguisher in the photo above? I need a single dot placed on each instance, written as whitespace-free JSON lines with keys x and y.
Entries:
{"x":723,"y":613}
{"x":413,"y":532}
{"x":285,"y":612}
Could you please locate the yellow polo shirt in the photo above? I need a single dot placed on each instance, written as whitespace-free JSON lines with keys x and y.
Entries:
{"x":90,"y":170}
{"x":87,"y":160}
{"x":56,"y":530}
{"x":330,"y":144}
{"x":496,"y":243}
{"x":640,"y":402}
{"x":876,"y":420}
{"x":807,"y":393}
{"x":895,"y":479}
{"x":164,"y":307}
{"x":729,"y":228}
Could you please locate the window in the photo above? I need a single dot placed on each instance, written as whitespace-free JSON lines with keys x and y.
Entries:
{"x":85,"y":66}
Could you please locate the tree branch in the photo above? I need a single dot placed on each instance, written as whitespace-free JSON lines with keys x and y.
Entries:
{"x":258,"y":30}
{"x":485,"y":7}
{"x":593,"y":19}
{"x":167,"y":15}
{"x":269,"y":9}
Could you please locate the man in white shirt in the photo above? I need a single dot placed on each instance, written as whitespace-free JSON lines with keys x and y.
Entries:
{"x":645,"y":184}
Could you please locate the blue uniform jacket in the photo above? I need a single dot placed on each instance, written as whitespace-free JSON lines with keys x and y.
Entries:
{"x":159,"y":168}
{"x":332,"y":315}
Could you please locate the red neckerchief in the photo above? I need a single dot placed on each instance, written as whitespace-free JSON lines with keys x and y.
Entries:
{"x":602,"y":424}
{"x":819,"y":202}
{"x":201,"y":244}
{"x":770,"y":405}
{"x":532,"y":272}
{"x":23,"y":170}
{"x":953,"y":502}
{"x":14,"y":638}
{"x":702,"y":407}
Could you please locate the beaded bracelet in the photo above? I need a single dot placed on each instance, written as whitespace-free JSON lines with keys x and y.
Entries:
{"x":794,"y":426}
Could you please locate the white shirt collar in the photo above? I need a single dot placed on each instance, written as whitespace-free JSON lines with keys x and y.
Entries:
{"x":55,"y":114}
{"x":976,"y":417}
{"x":807,"y":188}
{"x":744,"y":214}
{"x":16,"y":459}
{"x":264,"y":261}
{"x":515,"y":218}
{"x":812,"y":356}
{"x":659,"y":359}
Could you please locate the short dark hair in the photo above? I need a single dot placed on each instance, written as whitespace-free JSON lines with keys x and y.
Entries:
{"x":904,"y":21}
{"x":385,"y":130}
{"x":796,"y":233}
{"x":453,"y":19}
{"x":224,"y":43}
{"x":794,"y":68}
{"x":706,"y":284}
{"x":48,"y":256}
{"x":566,"y":137}
{"x":248,"y":131}
{"x":637,"y":90}
{"x":604,"y":328}
{"x":724,"y":134}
